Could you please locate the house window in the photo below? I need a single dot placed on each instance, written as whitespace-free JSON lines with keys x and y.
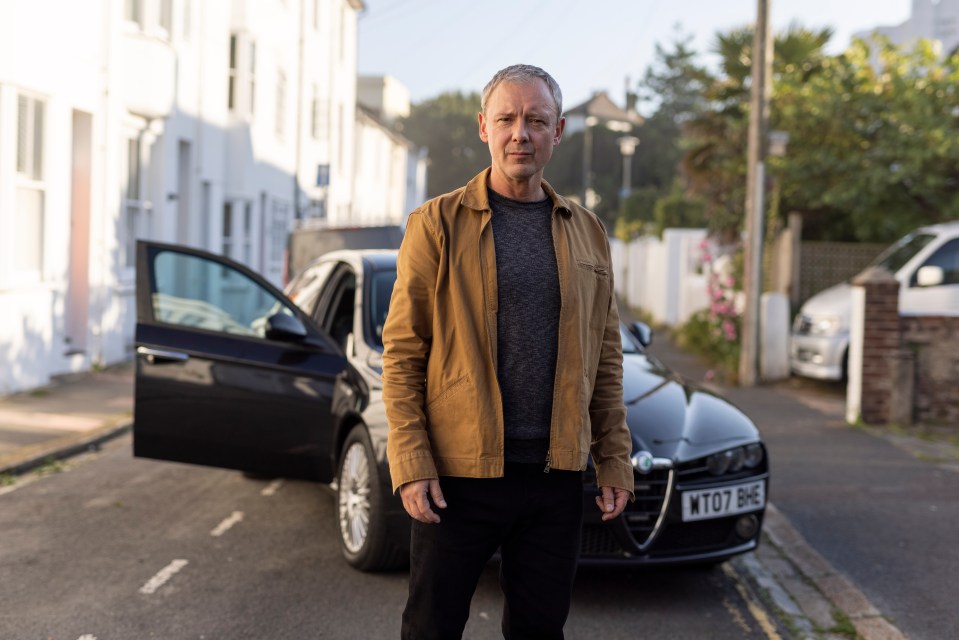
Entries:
{"x":29,"y":219}
{"x":280,"y":103}
{"x":242,"y":56}
{"x":166,"y":15}
{"x":133,"y":11}
{"x":228,"y":229}
{"x":252,"y":78}
{"x":136,"y":205}
{"x":237,"y":231}
{"x":231,"y":89}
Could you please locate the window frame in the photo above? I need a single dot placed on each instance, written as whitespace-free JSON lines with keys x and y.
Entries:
{"x":30,"y":178}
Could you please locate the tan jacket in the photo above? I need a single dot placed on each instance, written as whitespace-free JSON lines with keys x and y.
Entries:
{"x":440,"y":388}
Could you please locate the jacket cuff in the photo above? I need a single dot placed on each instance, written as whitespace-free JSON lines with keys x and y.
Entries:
{"x":418,"y":465}
{"x":614,"y":473}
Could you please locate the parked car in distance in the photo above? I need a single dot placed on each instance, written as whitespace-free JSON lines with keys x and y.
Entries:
{"x":926,"y":264}
{"x":290,"y":384}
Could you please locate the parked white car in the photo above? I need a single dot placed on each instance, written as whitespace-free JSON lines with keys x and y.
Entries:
{"x":926,"y":264}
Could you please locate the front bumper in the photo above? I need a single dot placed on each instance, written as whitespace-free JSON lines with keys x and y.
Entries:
{"x":818,"y":357}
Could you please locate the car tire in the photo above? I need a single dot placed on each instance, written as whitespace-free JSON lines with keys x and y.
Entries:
{"x":360,"y":512}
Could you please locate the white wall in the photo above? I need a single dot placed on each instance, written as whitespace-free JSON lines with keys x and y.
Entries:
{"x":167,"y":88}
{"x":662,"y":276}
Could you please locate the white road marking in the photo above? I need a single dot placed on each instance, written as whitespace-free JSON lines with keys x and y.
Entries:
{"x":162,"y":577}
{"x":223,"y":527}
{"x":87,"y":636}
{"x":272,"y":488}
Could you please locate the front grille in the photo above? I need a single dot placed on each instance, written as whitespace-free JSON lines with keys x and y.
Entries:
{"x":643,"y":515}
{"x":598,"y":540}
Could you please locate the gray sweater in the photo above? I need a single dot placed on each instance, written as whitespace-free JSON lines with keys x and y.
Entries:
{"x":527,"y":322}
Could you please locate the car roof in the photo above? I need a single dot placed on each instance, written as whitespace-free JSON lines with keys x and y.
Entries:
{"x":950,"y":228}
{"x":378,"y":259}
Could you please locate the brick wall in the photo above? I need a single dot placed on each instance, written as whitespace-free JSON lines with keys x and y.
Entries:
{"x":882,"y":336}
{"x":935,"y":342}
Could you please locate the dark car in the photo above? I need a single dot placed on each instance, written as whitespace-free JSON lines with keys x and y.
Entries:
{"x":233,"y":373}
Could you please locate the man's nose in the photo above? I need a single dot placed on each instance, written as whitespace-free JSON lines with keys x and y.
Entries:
{"x":520,"y":131}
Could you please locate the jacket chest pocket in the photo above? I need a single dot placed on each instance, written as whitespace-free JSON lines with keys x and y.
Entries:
{"x":591,"y":283}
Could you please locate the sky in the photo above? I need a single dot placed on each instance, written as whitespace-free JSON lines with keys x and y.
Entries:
{"x":432,"y":46}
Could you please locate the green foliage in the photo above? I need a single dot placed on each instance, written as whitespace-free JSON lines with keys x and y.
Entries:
{"x":874,"y":147}
{"x":698,"y":335}
{"x":677,"y":211}
{"x":715,"y":140}
{"x":447,"y":126}
{"x":714,"y":332}
{"x":638,"y":214}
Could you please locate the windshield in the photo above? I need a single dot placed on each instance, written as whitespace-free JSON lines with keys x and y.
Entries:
{"x":629,"y":342}
{"x":896,"y":256}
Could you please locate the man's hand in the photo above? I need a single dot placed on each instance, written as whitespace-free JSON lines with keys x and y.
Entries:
{"x":414,"y":495}
{"x":612,"y":502}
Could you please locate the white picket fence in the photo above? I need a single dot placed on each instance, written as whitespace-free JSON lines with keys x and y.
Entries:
{"x":663,"y":277}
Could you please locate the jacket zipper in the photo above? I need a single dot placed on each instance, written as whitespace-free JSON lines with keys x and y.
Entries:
{"x":546,"y":470}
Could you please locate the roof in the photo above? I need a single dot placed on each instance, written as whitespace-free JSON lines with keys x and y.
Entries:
{"x":602,"y":107}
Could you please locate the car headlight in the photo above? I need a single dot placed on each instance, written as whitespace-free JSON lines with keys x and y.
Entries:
{"x":733,"y":460}
{"x":824,"y":326}
{"x":754,"y":455}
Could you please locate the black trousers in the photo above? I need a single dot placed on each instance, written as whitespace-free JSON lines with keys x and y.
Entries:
{"x":534,"y":518}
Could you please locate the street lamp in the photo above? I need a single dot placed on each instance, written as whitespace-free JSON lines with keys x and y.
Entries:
{"x":589,"y":196}
{"x":627,"y":147}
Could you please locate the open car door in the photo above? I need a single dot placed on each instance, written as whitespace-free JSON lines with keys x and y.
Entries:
{"x":229,"y":372}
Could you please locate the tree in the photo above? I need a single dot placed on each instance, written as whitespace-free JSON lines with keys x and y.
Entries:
{"x":715,"y":159}
{"x":874,"y":147}
{"x":447,"y":126}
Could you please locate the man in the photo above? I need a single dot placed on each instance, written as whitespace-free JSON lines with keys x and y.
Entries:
{"x":502,"y":372}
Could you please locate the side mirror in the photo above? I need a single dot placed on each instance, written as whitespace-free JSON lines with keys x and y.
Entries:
{"x":930,"y":276}
{"x":642,"y":332}
{"x":285,"y":328}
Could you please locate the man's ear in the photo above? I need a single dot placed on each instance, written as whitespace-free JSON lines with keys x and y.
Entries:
{"x":560,"y":127}
{"x":482,"y":127}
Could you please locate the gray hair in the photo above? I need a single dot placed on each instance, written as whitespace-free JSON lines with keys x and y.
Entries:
{"x":523,"y":73}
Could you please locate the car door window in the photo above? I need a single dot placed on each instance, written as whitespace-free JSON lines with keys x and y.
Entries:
{"x":946,"y":258}
{"x":193,"y":292}
{"x":336,"y":317}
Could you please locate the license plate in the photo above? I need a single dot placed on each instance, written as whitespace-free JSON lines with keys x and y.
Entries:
{"x":723,"y":501}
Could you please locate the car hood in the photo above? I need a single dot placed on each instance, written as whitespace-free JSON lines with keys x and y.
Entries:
{"x":672,"y":418}
{"x":835,"y":301}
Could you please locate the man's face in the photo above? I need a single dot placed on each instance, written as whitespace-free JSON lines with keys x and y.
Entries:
{"x":521,"y":128}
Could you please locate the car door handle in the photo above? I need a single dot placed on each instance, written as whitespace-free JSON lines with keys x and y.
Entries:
{"x":158,"y":356}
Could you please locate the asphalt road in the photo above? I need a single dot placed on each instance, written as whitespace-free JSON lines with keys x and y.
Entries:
{"x":116,"y":547}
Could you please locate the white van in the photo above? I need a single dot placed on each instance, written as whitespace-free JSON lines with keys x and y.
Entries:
{"x":926,"y":264}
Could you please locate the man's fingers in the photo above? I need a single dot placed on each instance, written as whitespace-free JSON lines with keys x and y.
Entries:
{"x":612,"y":502}
{"x":437,"y":494}
{"x":416,"y":503}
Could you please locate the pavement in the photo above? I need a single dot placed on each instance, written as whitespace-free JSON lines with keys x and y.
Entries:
{"x":78,"y":412}
{"x":73,"y":414}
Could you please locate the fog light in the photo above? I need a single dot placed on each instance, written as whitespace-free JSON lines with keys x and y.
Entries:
{"x":747,"y":526}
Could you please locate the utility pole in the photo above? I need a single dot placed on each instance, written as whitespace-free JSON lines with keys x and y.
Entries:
{"x":755,"y":194}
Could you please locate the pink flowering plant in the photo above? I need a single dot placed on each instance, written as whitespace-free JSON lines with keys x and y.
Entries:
{"x":714,"y":331}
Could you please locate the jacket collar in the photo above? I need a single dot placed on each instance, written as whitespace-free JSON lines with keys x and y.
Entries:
{"x":476,"y":196}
